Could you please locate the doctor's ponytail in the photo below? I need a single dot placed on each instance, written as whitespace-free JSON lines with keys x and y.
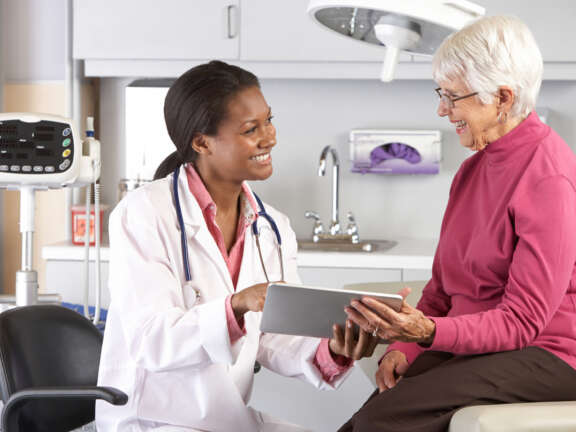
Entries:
{"x":196,"y":104}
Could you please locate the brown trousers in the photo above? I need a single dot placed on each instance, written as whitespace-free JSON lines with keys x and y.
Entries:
{"x":437,"y":384}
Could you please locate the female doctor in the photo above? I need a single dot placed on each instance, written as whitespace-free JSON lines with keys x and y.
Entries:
{"x":188,"y":273}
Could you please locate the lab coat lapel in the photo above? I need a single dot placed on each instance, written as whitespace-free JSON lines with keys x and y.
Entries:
{"x":198,"y":235}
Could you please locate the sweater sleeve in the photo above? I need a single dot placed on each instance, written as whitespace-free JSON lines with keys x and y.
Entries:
{"x":538,"y":278}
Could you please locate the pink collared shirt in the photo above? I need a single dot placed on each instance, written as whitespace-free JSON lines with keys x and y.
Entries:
{"x":329,"y":367}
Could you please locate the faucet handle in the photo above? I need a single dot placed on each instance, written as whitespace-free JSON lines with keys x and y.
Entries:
{"x":318,"y":227}
{"x":352,"y":228}
{"x":351,"y":219}
{"x":312,"y":215}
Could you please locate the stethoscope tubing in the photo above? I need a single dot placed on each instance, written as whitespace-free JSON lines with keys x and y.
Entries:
{"x":183,"y":240}
{"x":262,"y":212}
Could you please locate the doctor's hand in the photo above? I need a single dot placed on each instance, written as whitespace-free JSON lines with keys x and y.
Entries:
{"x":344,"y":343}
{"x":392,"y":368}
{"x":249,"y":299}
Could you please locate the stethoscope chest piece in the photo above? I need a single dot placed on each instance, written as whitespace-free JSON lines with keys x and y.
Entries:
{"x":192,"y":293}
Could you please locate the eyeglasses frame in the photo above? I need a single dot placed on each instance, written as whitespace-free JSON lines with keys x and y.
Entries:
{"x":451,"y":100}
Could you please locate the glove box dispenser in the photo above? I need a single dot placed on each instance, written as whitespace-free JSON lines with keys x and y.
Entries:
{"x":395,"y":151}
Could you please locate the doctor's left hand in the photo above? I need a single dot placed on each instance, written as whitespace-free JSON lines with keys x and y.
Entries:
{"x":344,"y":342}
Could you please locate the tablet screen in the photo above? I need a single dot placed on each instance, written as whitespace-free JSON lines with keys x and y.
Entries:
{"x":311,"y":311}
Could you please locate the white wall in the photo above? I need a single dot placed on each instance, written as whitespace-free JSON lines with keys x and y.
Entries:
{"x":310,"y":114}
{"x":34,"y":43}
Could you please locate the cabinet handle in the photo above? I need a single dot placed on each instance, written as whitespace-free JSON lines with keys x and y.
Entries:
{"x":232,"y":18}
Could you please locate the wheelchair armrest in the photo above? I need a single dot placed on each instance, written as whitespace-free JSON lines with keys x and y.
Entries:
{"x":108,"y":394}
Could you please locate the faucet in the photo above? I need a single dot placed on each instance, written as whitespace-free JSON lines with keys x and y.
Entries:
{"x":334,"y":234}
{"x":334,"y":223}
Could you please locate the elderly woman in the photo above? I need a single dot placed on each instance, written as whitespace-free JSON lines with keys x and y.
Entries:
{"x":497,"y":321}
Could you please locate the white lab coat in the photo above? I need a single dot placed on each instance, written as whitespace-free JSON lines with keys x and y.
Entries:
{"x":174,"y":358}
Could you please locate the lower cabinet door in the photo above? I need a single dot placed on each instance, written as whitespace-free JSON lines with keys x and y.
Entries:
{"x":337,"y":277}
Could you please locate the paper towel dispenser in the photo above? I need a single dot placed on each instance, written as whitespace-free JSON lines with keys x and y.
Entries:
{"x":395,"y":151}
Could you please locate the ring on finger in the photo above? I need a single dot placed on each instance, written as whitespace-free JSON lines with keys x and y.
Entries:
{"x":375,"y":332}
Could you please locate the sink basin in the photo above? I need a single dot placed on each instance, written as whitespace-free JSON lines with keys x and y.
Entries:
{"x":341,"y":246}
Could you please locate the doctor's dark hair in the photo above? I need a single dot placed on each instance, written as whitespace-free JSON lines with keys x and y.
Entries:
{"x":196,"y":104}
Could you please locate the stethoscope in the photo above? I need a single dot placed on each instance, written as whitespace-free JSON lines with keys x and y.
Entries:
{"x":255,"y":232}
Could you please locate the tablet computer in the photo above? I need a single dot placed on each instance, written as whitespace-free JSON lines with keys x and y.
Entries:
{"x":311,"y":311}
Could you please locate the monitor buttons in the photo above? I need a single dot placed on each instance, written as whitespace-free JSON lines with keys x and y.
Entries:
{"x":26,"y":168}
{"x":49,"y":169}
{"x":64,"y":165}
{"x":66,"y":153}
{"x":38,"y":168}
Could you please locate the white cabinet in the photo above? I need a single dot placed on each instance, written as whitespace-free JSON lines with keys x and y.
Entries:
{"x":283,"y":31}
{"x":255,"y":30}
{"x":300,"y":403}
{"x":66,"y":277}
{"x":149,"y":29}
{"x":274,"y":39}
{"x":551,"y":21}
{"x":337,"y":277}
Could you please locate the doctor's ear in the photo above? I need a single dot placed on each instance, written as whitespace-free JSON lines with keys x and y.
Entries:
{"x":201,"y":144}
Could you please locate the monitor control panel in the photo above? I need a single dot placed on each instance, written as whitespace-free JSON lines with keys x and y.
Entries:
{"x":35,"y":148}
{"x":38,"y":149}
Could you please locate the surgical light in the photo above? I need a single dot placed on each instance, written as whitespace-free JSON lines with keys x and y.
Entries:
{"x":413,"y":26}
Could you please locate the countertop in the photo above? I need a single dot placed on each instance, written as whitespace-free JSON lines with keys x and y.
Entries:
{"x":408,"y":253}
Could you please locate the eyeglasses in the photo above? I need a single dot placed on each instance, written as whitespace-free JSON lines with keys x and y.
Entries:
{"x":449,"y":100}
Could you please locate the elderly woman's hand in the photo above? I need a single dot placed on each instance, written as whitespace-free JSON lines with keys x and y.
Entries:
{"x":407,"y":325}
{"x":391,"y":369}
{"x":344,"y":342}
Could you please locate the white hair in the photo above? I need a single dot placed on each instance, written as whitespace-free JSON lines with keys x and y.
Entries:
{"x":492,"y":52}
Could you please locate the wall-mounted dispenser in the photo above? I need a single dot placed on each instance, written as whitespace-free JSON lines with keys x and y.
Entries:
{"x":395,"y":151}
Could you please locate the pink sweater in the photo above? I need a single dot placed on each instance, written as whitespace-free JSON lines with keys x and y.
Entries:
{"x":504,"y":271}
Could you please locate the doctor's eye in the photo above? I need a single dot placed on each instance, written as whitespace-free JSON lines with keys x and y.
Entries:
{"x":250,"y":131}
{"x":269,"y":119}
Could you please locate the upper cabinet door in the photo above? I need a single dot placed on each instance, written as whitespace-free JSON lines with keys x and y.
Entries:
{"x":551,"y":22}
{"x":283,"y":31}
{"x":152,"y":29}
